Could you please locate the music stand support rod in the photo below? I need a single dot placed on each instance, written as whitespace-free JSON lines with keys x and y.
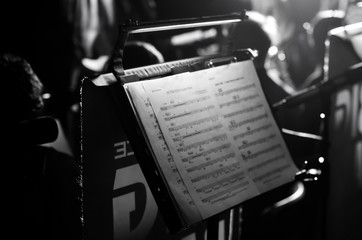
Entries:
{"x":213,"y":228}
{"x":350,"y":76}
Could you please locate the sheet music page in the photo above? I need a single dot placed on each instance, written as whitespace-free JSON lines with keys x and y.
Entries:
{"x":221,"y":134}
{"x":155,"y":138}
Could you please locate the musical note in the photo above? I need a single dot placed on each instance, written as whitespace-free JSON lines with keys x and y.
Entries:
{"x":216,"y":172}
{"x":185,"y":103}
{"x":198,"y":122}
{"x":253,"y":131}
{"x":197,"y":132}
{"x":210,"y":162}
{"x":245,"y":110}
{"x":224,"y":182}
{"x":220,"y":137}
{"x":227,"y":193}
{"x":256,"y":142}
{"x":249,"y":120}
{"x":207,"y":152}
{"x":262,"y":152}
{"x":188,"y":113}
{"x":228,"y":81}
{"x":240,"y":100}
{"x":235,"y":90}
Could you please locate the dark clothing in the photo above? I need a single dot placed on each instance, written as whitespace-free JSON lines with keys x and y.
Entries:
{"x":44,"y":195}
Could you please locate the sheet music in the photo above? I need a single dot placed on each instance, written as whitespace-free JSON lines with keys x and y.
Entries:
{"x":220,"y":133}
{"x":160,"y":149}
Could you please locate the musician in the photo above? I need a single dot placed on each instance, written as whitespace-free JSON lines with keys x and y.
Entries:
{"x":42,"y":185}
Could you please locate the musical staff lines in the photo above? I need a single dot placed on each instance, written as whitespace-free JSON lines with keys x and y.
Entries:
{"x":245,"y":110}
{"x":259,"y":117}
{"x":222,"y":182}
{"x":197,"y":122}
{"x":229,"y":81}
{"x":257,"y":141}
{"x":184,"y":103}
{"x":161,"y":150}
{"x":239,"y":100}
{"x":217,"y":172}
{"x":198,"y":132}
{"x":227,"y":193}
{"x":261,"y":152}
{"x":186,"y":113}
{"x":235,"y":90}
{"x":234,"y":80}
{"x":210,"y":162}
{"x":207,"y":152}
{"x":217,"y":138}
{"x":252,"y":131}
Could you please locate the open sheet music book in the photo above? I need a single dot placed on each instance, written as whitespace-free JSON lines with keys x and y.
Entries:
{"x":213,"y":138}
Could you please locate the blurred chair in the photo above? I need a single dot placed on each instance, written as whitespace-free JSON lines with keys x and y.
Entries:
{"x":60,"y":142}
{"x":320,"y":25}
{"x":343,"y":49}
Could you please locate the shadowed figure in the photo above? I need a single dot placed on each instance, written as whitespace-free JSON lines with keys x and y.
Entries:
{"x":42,"y":185}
